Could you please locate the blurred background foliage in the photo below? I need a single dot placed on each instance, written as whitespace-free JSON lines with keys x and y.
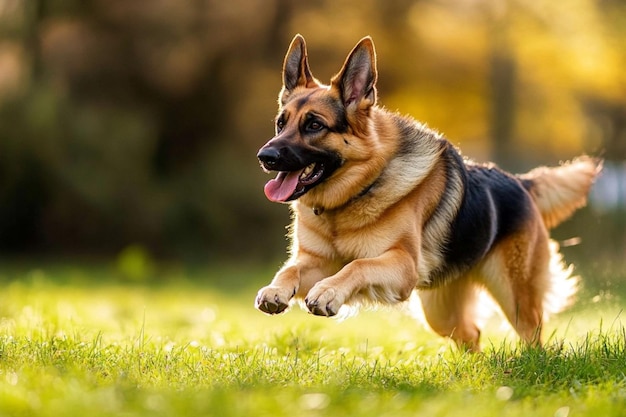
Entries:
{"x":131,"y":126}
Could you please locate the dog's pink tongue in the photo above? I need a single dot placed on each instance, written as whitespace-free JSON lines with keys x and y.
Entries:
{"x":282,"y":187}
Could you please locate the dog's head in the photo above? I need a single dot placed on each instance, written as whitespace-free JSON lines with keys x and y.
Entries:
{"x":320,"y":130}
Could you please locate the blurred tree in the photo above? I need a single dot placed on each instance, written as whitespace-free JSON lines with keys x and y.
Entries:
{"x":502,"y":77}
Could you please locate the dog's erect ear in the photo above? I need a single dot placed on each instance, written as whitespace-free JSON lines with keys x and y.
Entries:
{"x":296,"y":71}
{"x":357,"y":79}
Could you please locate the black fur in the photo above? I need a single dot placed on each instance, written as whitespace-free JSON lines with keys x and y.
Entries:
{"x":300,"y":102}
{"x":495,"y":205}
{"x":340,"y":124}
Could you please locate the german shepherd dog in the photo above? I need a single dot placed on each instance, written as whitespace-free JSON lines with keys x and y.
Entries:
{"x":383,"y":205}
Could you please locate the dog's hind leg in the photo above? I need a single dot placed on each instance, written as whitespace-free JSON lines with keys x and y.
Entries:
{"x":452,"y":310}
{"x":517,"y":275}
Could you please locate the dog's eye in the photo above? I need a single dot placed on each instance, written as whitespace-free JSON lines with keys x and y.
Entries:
{"x":313,"y":126}
{"x":280,"y":124}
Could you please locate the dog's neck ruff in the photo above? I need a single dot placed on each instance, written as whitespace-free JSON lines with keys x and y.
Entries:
{"x":318,"y":210}
{"x":413,"y":161}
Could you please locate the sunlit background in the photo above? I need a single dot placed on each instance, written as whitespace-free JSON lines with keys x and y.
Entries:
{"x":131,"y":126}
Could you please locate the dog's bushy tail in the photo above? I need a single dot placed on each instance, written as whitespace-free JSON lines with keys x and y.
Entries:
{"x":562,"y":285}
{"x":560,"y":191}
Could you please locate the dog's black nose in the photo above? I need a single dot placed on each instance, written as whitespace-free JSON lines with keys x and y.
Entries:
{"x":269,"y":156}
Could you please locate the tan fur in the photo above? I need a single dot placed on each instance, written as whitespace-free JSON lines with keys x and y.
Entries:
{"x":374,"y":231}
{"x":560,"y":191}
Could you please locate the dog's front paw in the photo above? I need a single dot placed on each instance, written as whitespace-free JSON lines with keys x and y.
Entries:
{"x":324,"y":300}
{"x":273,"y":300}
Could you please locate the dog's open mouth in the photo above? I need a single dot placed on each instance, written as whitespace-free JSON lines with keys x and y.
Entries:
{"x":289,"y":185}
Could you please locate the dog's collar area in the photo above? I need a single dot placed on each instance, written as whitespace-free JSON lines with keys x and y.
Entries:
{"x":365,"y":190}
{"x":318,"y":210}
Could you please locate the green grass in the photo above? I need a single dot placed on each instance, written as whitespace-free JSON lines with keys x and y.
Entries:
{"x":84,"y":341}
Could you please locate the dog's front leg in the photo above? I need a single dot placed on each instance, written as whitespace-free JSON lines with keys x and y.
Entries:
{"x":274,"y":298}
{"x":296,"y":277}
{"x":388,"y":278}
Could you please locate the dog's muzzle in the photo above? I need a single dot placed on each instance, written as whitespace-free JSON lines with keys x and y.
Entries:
{"x":269,"y":157}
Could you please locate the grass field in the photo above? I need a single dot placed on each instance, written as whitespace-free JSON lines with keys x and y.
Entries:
{"x":88,"y":341}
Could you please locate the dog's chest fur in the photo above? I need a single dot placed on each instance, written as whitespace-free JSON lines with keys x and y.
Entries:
{"x":365,"y":227}
{"x":345,"y":234}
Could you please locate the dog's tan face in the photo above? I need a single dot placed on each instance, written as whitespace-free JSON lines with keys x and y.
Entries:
{"x":319,"y":129}
{"x":304,"y":150}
